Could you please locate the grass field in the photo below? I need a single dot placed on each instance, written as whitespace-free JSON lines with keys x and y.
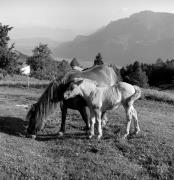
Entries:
{"x":149,"y":155}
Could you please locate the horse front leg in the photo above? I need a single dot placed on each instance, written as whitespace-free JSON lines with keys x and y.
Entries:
{"x":99,"y":123}
{"x":92,"y":123}
{"x":104,"y":119}
{"x":136,"y":124}
{"x":63,"y":108}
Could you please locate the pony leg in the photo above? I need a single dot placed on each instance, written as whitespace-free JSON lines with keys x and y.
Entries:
{"x":129,"y":118}
{"x":85,"y":116}
{"x":64,"y":112}
{"x":99,"y":126}
{"x":104,"y":119}
{"x":136,"y":124}
{"x":92,"y":123}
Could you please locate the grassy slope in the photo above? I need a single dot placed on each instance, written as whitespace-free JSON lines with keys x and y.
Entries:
{"x":149,"y":155}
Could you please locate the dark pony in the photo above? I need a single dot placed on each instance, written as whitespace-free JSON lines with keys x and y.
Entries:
{"x":53,"y":94}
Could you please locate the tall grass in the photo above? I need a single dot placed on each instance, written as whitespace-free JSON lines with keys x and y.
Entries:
{"x":156,"y":95}
{"x":24,"y":84}
{"x":22,"y":81}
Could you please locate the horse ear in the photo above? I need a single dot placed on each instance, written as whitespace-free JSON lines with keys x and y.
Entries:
{"x":78,"y":79}
{"x":79,"y":82}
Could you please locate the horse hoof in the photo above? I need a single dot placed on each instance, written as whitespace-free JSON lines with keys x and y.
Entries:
{"x":137,"y":131}
{"x":99,"y":137}
{"x":33,"y":136}
{"x":90,"y":136}
{"x":125,"y":137}
{"x":60,"y":134}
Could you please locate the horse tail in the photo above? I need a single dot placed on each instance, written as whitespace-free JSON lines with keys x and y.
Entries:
{"x":136,"y":95}
{"x":47,"y":102}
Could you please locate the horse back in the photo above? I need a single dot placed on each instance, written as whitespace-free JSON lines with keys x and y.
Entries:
{"x":102,"y":74}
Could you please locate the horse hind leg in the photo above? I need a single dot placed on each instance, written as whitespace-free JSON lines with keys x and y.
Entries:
{"x":128,"y":109}
{"x":85,"y":113}
{"x":136,"y":124}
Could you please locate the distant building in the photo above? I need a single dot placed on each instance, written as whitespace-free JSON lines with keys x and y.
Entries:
{"x":25,"y":70}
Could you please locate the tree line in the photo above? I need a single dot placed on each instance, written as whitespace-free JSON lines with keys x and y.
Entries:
{"x":157,"y":74}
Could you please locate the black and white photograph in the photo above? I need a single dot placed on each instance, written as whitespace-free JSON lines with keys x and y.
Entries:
{"x":87,"y":89}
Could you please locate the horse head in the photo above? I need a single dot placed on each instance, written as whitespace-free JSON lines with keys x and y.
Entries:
{"x":31,"y":118}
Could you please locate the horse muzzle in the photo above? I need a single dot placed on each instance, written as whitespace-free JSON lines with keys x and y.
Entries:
{"x":66,"y":96}
{"x":31,"y":136}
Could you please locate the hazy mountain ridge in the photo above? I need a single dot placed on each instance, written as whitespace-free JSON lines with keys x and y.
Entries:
{"x":26,"y":45}
{"x":143,"y":36}
{"x":27,"y":38}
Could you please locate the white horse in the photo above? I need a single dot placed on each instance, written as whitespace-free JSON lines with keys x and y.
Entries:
{"x":102,"y":98}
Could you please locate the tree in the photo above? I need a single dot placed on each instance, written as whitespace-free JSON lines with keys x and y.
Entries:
{"x":159,"y":62}
{"x":4,"y":38}
{"x":74,"y":63}
{"x":8,"y":57}
{"x":43,"y":66}
{"x":42,"y":51}
{"x":98,"y":60}
{"x":134,"y":74}
{"x":139,"y":78}
{"x":41,"y":54}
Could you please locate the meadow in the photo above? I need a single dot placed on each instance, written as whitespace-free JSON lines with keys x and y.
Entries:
{"x":148,"y":155}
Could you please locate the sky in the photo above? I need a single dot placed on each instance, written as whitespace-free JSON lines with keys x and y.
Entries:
{"x":80,"y":16}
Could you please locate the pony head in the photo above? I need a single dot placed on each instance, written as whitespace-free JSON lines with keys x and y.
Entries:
{"x":80,"y":86}
{"x":74,"y":88}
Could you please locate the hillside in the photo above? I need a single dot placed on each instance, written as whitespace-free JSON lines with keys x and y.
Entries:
{"x":143,"y":36}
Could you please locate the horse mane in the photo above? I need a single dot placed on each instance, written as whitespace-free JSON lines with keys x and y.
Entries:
{"x":94,"y":67}
{"x":40,"y":109}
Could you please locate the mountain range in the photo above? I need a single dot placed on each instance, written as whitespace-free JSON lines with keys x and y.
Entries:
{"x":144,"y":36}
{"x":26,"y":45}
{"x":27,"y":38}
